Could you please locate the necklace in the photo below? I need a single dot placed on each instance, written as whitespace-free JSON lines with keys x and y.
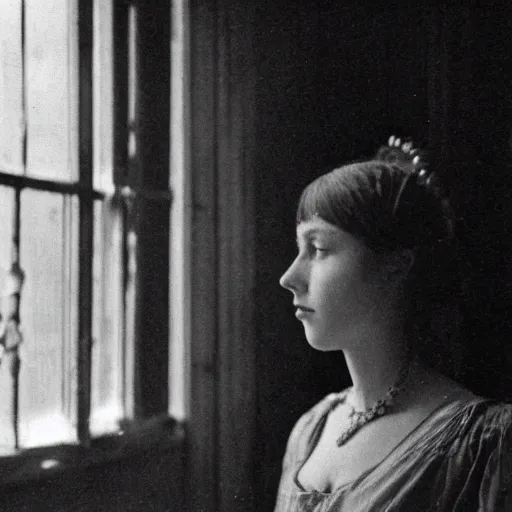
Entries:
{"x":358,"y":419}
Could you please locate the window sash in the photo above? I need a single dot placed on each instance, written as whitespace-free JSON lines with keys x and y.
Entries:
{"x":110,"y":175}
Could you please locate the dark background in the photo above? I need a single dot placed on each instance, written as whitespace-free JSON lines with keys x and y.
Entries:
{"x":333,"y":82}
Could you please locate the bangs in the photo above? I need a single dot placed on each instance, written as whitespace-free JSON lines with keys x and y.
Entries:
{"x":354,"y":198}
{"x":324,"y":198}
{"x":357,"y":198}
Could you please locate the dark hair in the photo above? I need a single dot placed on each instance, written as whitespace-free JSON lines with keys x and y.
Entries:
{"x":381,"y":204}
{"x":387,"y":207}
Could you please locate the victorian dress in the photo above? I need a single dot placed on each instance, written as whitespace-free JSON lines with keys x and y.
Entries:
{"x":459,"y":458}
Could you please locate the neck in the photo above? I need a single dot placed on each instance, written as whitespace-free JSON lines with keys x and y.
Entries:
{"x":375,"y":367}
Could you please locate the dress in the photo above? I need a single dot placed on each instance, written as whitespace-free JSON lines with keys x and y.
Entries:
{"x":458,"y":459}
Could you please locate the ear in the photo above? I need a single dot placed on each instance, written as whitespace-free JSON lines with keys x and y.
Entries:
{"x":399,"y":265}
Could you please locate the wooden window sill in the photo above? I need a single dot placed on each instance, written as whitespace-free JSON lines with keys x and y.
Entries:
{"x":35,"y":464}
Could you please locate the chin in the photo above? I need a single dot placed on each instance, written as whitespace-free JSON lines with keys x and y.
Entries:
{"x":321,"y":343}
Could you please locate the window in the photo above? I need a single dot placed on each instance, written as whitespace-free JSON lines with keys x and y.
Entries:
{"x":96,"y":354}
{"x":84,"y":224}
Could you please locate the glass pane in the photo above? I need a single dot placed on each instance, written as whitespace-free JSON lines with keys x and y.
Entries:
{"x":6,"y":230}
{"x":11,"y":94}
{"x":48,"y":318}
{"x":6,"y":381}
{"x":107,"y":360}
{"x":103,"y":96}
{"x":51,"y":88}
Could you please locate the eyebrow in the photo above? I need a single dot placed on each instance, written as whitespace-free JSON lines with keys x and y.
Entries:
{"x":317,"y":231}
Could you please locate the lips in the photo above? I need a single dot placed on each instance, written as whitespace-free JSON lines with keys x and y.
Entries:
{"x":305,"y":309}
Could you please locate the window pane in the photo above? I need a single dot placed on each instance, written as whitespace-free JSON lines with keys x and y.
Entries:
{"x":49,"y":244}
{"x":103,"y":95}
{"x":6,"y":231}
{"x":11,"y":107}
{"x":51,"y":88}
{"x":107,"y":358}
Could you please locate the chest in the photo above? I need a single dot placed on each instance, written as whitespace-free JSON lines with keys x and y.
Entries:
{"x":329,"y":466}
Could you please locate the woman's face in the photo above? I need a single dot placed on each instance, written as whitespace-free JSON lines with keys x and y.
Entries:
{"x":339,"y":285}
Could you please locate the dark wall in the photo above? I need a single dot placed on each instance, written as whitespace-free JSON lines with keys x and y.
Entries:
{"x":334,"y":82}
{"x":487,"y":216}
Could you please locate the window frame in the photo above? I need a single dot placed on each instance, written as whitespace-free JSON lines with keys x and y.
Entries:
{"x":147,"y":422}
{"x":214,"y":160}
{"x":221,"y":433}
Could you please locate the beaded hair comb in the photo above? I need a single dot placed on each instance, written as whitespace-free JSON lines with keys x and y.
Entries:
{"x":403,"y":152}
{"x":412,"y":159}
{"x":414,"y":156}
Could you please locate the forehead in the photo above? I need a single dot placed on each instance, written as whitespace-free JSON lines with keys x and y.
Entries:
{"x":317,"y":225}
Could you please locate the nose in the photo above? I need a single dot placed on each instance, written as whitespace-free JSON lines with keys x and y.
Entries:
{"x":285,"y":280}
{"x":292,"y":279}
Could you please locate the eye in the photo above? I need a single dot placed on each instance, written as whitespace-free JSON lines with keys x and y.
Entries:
{"x":311,"y":248}
{"x":317,"y":250}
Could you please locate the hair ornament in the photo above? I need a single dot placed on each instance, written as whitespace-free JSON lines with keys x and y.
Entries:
{"x":403,"y":152}
{"x":407,"y":147}
{"x":408,"y":153}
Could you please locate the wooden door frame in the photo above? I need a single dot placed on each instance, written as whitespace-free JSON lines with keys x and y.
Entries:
{"x":222,"y":402}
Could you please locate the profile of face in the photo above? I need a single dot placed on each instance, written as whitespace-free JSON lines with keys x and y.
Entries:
{"x":340,"y":287}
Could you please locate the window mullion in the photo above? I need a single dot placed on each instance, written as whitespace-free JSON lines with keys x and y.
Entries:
{"x":149,"y":177}
{"x":128,"y":173}
{"x":120,"y":99}
{"x":11,"y":295}
{"x":12,"y":335}
{"x":86,"y":220}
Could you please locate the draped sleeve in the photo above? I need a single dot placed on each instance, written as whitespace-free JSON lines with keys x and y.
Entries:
{"x":477,"y":473}
{"x":496,"y":486}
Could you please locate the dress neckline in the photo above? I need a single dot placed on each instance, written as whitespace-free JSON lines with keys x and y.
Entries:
{"x":334,"y":401}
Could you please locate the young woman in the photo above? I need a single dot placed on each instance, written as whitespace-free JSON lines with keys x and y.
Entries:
{"x":372,"y":240}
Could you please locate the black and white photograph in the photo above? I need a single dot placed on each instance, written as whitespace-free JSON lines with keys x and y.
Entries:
{"x":255,"y":256}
